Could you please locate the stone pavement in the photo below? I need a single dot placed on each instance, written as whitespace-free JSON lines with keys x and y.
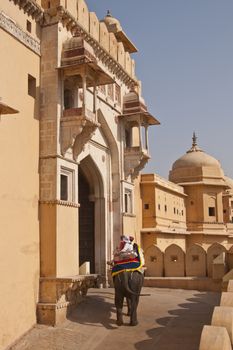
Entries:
{"x":169,"y":319}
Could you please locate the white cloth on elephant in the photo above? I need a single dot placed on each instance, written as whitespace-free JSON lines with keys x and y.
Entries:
{"x":127,"y":252}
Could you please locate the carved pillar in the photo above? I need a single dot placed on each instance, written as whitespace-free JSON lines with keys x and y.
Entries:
{"x":84,"y":83}
{"x":146,"y":138}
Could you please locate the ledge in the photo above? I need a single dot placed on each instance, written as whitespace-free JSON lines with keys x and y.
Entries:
{"x":59,"y":202}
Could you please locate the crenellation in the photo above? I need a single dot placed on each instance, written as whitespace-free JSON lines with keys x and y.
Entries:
{"x":83,"y":14}
{"x":113,"y":47}
{"x":121,"y":54}
{"x":94,"y":27}
{"x":104,"y":36}
{"x":128,"y":63}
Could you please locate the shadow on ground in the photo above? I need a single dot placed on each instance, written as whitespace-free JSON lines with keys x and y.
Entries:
{"x":182,"y":329}
{"x":95,"y":311}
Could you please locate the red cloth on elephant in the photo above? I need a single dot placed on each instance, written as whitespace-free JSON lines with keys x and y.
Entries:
{"x":131,"y":264}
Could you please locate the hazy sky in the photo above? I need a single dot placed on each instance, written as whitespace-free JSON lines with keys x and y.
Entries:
{"x":185,"y":62}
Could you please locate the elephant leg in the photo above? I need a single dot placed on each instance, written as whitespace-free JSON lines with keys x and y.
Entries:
{"x":133,"y":315}
{"x":119,"y":299}
{"x":129,"y":306}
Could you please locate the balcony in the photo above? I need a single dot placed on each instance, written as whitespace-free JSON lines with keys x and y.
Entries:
{"x":136,"y":120}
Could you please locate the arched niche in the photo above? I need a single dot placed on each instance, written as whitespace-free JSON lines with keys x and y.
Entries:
{"x":174,"y":261}
{"x":154,"y":261}
{"x":212,"y":253}
{"x":195,"y":261}
{"x":230,"y":258}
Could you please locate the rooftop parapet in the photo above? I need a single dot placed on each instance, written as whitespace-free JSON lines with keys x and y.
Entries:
{"x":114,"y":26}
{"x":108,"y":40}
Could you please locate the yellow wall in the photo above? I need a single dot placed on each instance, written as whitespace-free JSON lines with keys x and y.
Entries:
{"x":20,"y":18}
{"x":19,"y":191}
{"x":67,"y":241}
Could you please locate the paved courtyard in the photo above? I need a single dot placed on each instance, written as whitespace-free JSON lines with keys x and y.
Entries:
{"x":169,"y":319}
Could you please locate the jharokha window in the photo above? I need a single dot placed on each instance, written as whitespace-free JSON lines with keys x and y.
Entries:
{"x":118,"y":94}
{"x":110,"y":91}
{"x":102,"y":89}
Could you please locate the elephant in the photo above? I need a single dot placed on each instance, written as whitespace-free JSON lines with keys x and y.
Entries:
{"x":127,"y":284}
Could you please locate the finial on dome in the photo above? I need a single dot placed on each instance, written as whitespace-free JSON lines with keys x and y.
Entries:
{"x":109,"y":13}
{"x":194,"y":147}
{"x":194,"y":140}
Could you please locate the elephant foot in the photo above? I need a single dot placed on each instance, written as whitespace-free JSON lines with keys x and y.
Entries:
{"x":119,"y":322}
{"x":133,"y":323}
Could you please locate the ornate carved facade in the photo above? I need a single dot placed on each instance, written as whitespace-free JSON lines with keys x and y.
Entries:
{"x":76,"y":189}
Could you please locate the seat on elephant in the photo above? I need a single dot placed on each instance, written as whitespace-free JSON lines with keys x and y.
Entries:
{"x":131,"y":264}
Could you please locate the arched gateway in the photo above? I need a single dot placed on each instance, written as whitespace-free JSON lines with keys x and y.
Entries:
{"x":92,"y":240}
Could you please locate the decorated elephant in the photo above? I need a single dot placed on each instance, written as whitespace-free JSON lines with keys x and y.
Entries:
{"x":128,"y":285}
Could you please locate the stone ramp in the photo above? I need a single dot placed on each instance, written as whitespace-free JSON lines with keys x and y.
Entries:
{"x":169,"y":319}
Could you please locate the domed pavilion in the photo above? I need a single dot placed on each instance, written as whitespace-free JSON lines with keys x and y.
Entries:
{"x":204,"y":183}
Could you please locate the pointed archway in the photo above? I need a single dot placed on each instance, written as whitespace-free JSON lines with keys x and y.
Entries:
{"x":92,"y":211}
{"x":86,"y":223}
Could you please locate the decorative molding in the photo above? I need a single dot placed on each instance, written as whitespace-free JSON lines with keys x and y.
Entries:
{"x":54,"y":156}
{"x":31,"y":8}
{"x":12,"y":28}
{"x":59,"y":202}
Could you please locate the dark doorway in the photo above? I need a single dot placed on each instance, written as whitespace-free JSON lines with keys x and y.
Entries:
{"x":86,"y":224}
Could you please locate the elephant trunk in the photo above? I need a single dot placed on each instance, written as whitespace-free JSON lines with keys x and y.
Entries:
{"x":125,"y":277}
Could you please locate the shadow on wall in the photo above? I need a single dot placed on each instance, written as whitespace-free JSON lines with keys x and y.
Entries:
{"x":182,"y":329}
{"x":174,"y":262}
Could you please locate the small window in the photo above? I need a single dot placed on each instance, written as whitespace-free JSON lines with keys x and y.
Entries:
{"x":153,"y":258}
{"x":195,"y":258}
{"x":66,"y":184}
{"x":211,"y":211}
{"x":182,"y":212}
{"x":224,"y":211}
{"x":64,"y":188}
{"x":31,"y":86}
{"x":165,"y":207}
{"x":29,"y":26}
{"x":146,"y":206}
{"x":174,"y":258}
{"x":159,"y":206}
{"x":174,"y":210}
{"x":128,"y":202}
{"x":191,"y":202}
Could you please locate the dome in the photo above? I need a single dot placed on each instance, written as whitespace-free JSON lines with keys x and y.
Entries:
{"x":133,"y":96}
{"x":73,"y":43}
{"x":195,"y":157}
{"x":110,"y":21}
{"x":229,"y":182}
